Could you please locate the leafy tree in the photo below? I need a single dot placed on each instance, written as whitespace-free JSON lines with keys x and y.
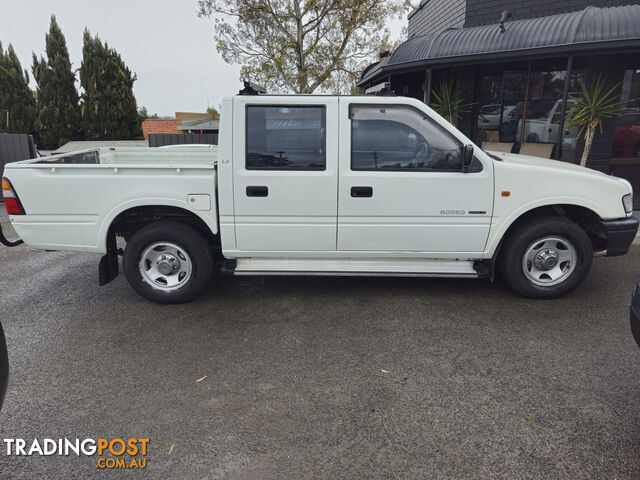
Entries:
{"x":58,"y":119}
{"x":301,"y":45}
{"x":109,"y":109}
{"x":143,"y":114}
{"x":213,"y":111}
{"x":15,"y":94}
{"x":589,"y":110}
{"x":448,"y":103}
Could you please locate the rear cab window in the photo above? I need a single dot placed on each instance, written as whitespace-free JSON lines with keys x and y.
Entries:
{"x":286,"y":137}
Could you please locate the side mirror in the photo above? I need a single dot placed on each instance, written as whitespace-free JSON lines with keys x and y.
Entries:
{"x":467,"y":157}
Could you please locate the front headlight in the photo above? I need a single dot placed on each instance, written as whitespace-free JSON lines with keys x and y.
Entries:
{"x":627,"y":202}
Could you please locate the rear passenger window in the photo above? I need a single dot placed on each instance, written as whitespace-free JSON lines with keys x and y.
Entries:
{"x":286,"y":138}
{"x":400,"y":137}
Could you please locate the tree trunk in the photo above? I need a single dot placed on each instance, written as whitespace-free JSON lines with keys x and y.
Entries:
{"x":588,"y":139}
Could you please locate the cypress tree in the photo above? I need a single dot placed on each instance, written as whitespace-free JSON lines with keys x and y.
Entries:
{"x":15,"y":94}
{"x":58,"y":119}
{"x":109,"y":109}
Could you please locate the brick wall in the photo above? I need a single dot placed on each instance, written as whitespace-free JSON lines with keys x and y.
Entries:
{"x":433,"y":16}
{"x":151,"y":125}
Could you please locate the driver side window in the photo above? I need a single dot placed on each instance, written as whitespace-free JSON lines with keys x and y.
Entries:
{"x":400,"y":137}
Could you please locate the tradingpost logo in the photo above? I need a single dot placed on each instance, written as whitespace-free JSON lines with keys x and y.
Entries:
{"x":111,"y":453}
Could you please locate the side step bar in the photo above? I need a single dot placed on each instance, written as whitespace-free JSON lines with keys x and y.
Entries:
{"x":367,"y":267}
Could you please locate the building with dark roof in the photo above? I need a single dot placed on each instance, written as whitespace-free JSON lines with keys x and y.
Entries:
{"x":433,"y":16}
{"x":518,"y":78}
{"x":183,"y":123}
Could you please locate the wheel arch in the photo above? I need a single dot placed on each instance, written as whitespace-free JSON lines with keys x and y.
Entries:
{"x":127,"y":219}
{"x":585,"y":217}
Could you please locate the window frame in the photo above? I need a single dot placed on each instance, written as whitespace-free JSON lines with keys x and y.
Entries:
{"x":426,"y":117}
{"x":323,"y":108}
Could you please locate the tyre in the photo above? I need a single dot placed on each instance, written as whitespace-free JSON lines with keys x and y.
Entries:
{"x":168,"y":262}
{"x":546,"y":257}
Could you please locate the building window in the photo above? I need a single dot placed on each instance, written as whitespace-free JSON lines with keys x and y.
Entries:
{"x":399,"y":137}
{"x":286,"y":138}
{"x":519,"y":108}
{"x":625,"y":151}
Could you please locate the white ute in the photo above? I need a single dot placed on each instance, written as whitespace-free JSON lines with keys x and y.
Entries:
{"x":323,"y":185}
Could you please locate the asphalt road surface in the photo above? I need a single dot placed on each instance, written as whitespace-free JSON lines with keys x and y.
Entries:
{"x":323,"y":377}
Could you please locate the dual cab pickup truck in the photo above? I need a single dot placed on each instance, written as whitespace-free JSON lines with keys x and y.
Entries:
{"x":323,"y":185}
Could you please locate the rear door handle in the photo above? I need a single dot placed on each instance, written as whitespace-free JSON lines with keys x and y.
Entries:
{"x":257,"y":191}
{"x":361,"y":192}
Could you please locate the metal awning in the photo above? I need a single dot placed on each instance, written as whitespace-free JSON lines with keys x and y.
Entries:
{"x":590,"y":29}
{"x":202,"y":123}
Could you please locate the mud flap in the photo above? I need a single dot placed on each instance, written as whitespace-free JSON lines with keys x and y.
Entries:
{"x":8,"y":243}
{"x":484,"y":269}
{"x":109,"y":268}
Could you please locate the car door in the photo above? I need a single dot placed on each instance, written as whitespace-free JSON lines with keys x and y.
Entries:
{"x":285,"y":173}
{"x":402,"y":189}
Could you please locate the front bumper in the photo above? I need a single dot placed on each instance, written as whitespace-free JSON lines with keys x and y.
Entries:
{"x":620,"y":234}
{"x":634,"y":313}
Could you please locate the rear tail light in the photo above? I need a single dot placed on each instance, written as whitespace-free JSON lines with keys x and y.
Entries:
{"x":11,"y":200}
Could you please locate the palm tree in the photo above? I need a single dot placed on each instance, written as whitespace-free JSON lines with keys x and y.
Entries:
{"x":448,"y":103}
{"x":590,"y":109}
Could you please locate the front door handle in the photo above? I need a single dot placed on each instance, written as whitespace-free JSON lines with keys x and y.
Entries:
{"x":361,"y":192}
{"x":257,"y":191}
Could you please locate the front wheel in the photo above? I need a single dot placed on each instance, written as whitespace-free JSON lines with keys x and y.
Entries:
{"x":168,"y":262}
{"x":546,"y":258}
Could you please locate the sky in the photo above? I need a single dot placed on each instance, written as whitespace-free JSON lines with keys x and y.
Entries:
{"x":164,"y":42}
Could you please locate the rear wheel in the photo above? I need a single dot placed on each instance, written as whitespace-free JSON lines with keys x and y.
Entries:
{"x":546,"y":257}
{"x":168,"y":262}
